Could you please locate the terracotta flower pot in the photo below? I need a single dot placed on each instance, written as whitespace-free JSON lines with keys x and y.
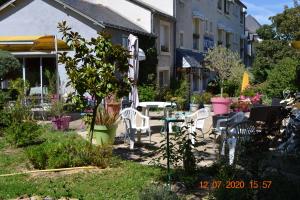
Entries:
{"x":220,"y":105}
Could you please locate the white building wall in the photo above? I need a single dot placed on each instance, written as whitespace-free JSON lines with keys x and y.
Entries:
{"x":134,"y":13}
{"x":165,"y":6}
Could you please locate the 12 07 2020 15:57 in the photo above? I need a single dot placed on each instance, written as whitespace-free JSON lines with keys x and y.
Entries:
{"x":235,"y":184}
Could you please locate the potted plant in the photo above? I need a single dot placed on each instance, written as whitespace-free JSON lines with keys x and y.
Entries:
{"x":205,"y":99}
{"x":195,"y":102}
{"x":227,"y":66}
{"x":105,"y":126}
{"x":97,"y":67}
{"x":59,"y":120}
{"x":113,"y":104}
{"x":52,"y":85}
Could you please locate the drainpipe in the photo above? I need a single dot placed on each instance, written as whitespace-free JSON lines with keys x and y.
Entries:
{"x":174,"y":40}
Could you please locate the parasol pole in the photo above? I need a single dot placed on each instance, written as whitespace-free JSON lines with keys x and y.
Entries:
{"x":56,"y":60}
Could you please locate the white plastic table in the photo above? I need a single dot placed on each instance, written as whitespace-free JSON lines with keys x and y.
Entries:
{"x":153,"y":104}
{"x":146,"y":105}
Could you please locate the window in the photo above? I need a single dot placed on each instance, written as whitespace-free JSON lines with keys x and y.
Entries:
{"x":242,"y":16}
{"x":163,"y":78}
{"x":196,"y":82}
{"x":220,"y":4}
{"x":242,"y":48}
{"x":164,"y":37}
{"x":228,"y":42}
{"x":220,"y":37}
{"x":206,"y":26}
{"x":181,"y":39}
{"x":125,"y":41}
{"x":211,"y":27}
{"x":196,"y":34}
{"x":226,"y":7}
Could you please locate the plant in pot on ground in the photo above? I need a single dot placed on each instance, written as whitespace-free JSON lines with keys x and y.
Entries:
{"x":59,"y":120}
{"x":105,"y":126}
{"x":205,"y":98}
{"x":228,"y":67}
{"x":195,"y":102}
{"x":98,"y":68}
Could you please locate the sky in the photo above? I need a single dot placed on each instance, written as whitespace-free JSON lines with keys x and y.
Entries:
{"x":263,"y":9}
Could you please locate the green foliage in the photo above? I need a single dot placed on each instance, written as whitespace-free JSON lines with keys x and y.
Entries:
{"x":68,"y":151}
{"x":227,"y":64}
{"x":57,"y":109}
{"x":97,"y":67}
{"x":196,"y":98}
{"x":248,"y":92}
{"x":287,"y":24}
{"x":181,"y":93}
{"x":180,"y":150}
{"x":275,"y":46}
{"x":228,"y":173}
{"x":269,"y":53}
{"x":52,"y":81}
{"x":146,"y":92}
{"x":121,"y":182}
{"x":3,"y":98}
{"x":103,"y":117}
{"x":266,"y":32}
{"x":20,"y":112}
{"x":155,"y":192}
{"x":5,"y":118}
{"x":21,"y":87}
{"x":8,"y":64}
{"x":205,"y":97}
{"x":23,"y":134}
{"x":283,"y":76}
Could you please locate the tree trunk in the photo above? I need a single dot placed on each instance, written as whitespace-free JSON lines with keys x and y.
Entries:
{"x":93,"y":121}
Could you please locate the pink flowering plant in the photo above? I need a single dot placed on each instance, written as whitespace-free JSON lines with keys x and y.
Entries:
{"x":246,"y":100}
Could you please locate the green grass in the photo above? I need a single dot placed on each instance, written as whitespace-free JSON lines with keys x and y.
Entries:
{"x":124,"y":181}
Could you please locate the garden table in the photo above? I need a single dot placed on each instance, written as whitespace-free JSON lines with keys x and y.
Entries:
{"x":154,"y":104}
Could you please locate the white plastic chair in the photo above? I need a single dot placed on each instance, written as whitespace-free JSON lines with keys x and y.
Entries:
{"x":221,"y":128}
{"x":129,"y":116}
{"x":195,"y":121}
{"x":237,"y":133}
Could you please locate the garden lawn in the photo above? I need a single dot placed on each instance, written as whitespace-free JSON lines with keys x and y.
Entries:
{"x":124,"y":180}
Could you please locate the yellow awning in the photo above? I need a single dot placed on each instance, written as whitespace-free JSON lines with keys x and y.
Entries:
{"x":31,"y":43}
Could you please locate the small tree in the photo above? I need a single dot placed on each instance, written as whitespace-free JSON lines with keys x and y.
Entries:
{"x":8,"y":64}
{"x":97,"y":67}
{"x":226,"y":64}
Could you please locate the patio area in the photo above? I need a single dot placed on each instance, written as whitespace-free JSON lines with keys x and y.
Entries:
{"x":144,"y":152}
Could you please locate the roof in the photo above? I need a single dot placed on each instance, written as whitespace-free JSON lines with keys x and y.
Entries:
{"x":105,"y":15}
{"x":152,"y":9}
{"x":251,"y":24}
{"x":187,"y":58}
{"x":98,"y":14}
{"x":241,"y":3}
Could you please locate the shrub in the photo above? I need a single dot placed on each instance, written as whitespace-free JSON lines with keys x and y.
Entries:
{"x":157,"y":192}
{"x":23,"y":134}
{"x":5,"y":118}
{"x":283,"y":76}
{"x":196,"y":98}
{"x":68,"y":151}
{"x":8,"y":63}
{"x":248,"y":92}
{"x":146,"y":92}
{"x":205,"y":97}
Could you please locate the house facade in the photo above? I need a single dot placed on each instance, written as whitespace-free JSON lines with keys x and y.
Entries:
{"x":157,"y":18}
{"x":251,"y":27}
{"x":23,"y":22}
{"x":203,"y":24}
